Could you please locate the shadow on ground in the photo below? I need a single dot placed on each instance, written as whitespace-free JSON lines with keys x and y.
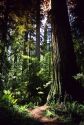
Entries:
{"x":8,"y":117}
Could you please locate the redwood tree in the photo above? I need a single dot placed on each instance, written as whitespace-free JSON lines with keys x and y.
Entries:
{"x":68,"y":66}
{"x":38,"y":29}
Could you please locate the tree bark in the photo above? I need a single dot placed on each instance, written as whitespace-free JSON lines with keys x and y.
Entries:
{"x":45,"y":39}
{"x":68,"y":66}
{"x":38,"y":30}
{"x":3,"y":43}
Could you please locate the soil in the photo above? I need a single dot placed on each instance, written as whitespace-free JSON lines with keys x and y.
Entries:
{"x":37,"y":114}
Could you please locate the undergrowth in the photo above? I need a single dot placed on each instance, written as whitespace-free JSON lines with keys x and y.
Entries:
{"x":12,"y":113}
{"x":71,"y":111}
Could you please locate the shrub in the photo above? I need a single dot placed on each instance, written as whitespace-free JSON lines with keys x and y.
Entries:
{"x":75,"y":110}
{"x":7,"y":99}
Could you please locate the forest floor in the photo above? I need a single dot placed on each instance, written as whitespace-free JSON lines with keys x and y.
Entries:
{"x":38,"y":114}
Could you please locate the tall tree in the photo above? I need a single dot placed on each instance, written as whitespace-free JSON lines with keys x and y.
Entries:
{"x":45,"y":37}
{"x":3,"y":38}
{"x":38,"y":29}
{"x":68,"y":67}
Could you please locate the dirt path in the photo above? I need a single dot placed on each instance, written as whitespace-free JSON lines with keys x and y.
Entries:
{"x":37,"y":114}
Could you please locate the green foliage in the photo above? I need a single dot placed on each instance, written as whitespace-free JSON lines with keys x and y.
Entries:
{"x":52,"y":103}
{"x":50,"y":113}
{"x":38,"y":86}
{"x":71,"y":111}
{"x":72,"y":107}
{"x":80,"y":78}
{"x":26,"y":77}
{"x":8,"y":102}
{"x":8,"y":99}
{"x":75,"y":110}
{"x":21,"y":109}
{"x":45,"y":64}
{"x":30,"y":105}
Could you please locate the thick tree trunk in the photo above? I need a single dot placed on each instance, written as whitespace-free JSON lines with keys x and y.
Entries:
{"x":68,"y":66}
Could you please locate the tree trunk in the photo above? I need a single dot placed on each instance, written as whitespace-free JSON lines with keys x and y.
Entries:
{"x":38,"y":30}
{"x":68,"y":67}
{"x":45,"y":39}
{"x":25,"y":65}
{"x":3,"y":43}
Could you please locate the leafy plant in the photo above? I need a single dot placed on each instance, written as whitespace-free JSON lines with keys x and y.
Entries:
{"x":22,"y":110}
{"x":9,"y":103}
{"x":79,"y":76}
{"x":49,"y":113}
{"x":75,"y":110}
{"x":8,"y":99}
{"x":30,"y":105}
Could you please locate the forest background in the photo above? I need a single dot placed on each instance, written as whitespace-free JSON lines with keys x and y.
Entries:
{"x":41,"y":54}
